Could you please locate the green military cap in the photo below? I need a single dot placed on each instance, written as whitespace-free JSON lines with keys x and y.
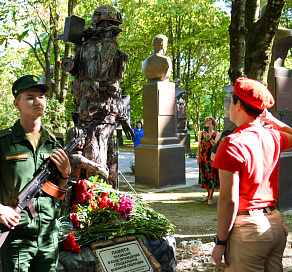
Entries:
{"x":28,"y":81}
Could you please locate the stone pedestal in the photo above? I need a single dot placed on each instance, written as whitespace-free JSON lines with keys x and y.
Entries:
{"x":184,"y":140}
{"x":159,"y":159}
{"x":285,"y":186}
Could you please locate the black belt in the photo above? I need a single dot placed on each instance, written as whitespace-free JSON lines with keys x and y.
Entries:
{"x":257,"y":211}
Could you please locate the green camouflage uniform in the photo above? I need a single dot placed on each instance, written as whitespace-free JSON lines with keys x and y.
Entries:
{"x":34,"y":242}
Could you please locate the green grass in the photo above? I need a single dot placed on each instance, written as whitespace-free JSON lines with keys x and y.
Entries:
{"x":194,"y":144}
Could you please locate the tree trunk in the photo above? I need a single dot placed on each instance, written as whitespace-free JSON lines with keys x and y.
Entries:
{"x":251,"y":38}
{"x":259,"y":38}
{"x":57,"y":60}
{"x":170,"y":42}
{"x":177,"y":57}
{"x":237,"y":36}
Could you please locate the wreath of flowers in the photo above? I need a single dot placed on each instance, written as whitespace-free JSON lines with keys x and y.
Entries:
{"x":100,"y":212}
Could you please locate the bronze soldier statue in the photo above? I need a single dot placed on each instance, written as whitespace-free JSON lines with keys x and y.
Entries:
{"x":97,"y":66}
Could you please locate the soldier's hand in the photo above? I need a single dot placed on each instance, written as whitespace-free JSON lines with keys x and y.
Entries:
{"x":8,"y":217}
{"x":62,"y":162}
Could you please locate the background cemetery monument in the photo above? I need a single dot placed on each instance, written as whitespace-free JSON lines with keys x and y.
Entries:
{"x":280,"y":85}
{"x":180,"y":116}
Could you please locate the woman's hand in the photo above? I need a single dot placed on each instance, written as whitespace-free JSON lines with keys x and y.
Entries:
{"x":207,"y":135}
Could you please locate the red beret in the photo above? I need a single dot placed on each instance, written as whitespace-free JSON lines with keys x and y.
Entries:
{"x":254,"y":93}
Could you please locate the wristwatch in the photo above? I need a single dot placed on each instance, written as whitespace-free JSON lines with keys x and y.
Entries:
{"x":219,"y":242}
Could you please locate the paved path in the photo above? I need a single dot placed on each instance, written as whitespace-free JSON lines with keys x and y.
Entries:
{"x":127,"y":158}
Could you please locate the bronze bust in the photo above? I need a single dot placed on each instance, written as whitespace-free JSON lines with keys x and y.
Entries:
{"x":158,"y":67}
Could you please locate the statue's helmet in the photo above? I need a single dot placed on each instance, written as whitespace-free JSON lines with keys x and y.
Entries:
{"x":106,"y":13}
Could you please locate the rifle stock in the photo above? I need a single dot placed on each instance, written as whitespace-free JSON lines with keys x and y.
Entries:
{"x":41,"y":177}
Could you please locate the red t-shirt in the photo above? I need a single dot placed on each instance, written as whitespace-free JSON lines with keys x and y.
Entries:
{"x":253,"y":152}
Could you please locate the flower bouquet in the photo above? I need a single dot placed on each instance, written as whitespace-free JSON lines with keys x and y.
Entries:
{"x":100,"y":212}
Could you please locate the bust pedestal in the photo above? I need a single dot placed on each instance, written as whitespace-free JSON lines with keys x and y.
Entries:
{"x":159,"y":159}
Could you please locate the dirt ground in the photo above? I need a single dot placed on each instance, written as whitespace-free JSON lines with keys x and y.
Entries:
{"x":196,"y":224}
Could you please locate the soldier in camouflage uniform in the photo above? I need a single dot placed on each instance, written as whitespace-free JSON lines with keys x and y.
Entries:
{"x":97,"y":95}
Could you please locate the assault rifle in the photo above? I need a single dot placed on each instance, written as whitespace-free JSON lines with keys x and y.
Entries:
{"x":75,"y":31}
{"x":34,"y":187}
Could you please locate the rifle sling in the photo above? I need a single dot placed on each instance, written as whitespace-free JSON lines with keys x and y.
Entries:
{"x":31,"y":210}
{"x":53,"y":190}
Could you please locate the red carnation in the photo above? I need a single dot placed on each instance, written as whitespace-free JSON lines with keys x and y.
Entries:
{"x":93,"y":204}
{"x":70,"y":244}
{"x":75,"y":219}
{"x":104,"y":201}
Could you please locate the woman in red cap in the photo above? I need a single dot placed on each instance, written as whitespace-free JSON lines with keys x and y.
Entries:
{"x":251,"y":233}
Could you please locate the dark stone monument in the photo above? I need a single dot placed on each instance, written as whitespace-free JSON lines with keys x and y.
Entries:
{"x":180,"y":116}
{"x":160,"y":158}
{"x":280,"y":77}
{"x":97,"y":66}
{"x":280,"y":85}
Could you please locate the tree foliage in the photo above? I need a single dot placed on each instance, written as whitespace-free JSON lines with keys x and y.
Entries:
{"x":198,"y":46}
{"x":36,"y":23}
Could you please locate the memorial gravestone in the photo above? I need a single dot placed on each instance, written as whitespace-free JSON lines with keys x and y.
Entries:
{"x":160,"y":158}
{"x":124,"y":254}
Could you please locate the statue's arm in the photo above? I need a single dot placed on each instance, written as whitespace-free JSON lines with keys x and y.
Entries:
{"x":122,"y":118}
{"x":78,"y":161}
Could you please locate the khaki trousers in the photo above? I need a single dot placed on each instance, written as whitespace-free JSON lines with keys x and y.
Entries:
{"x":256,"y":243}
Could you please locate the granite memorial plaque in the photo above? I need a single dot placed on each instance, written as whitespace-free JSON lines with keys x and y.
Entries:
{"x":125,"y":257}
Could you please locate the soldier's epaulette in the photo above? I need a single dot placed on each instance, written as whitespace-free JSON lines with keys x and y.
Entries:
{"x":5,"y":132}
{"x":57,"y":137}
